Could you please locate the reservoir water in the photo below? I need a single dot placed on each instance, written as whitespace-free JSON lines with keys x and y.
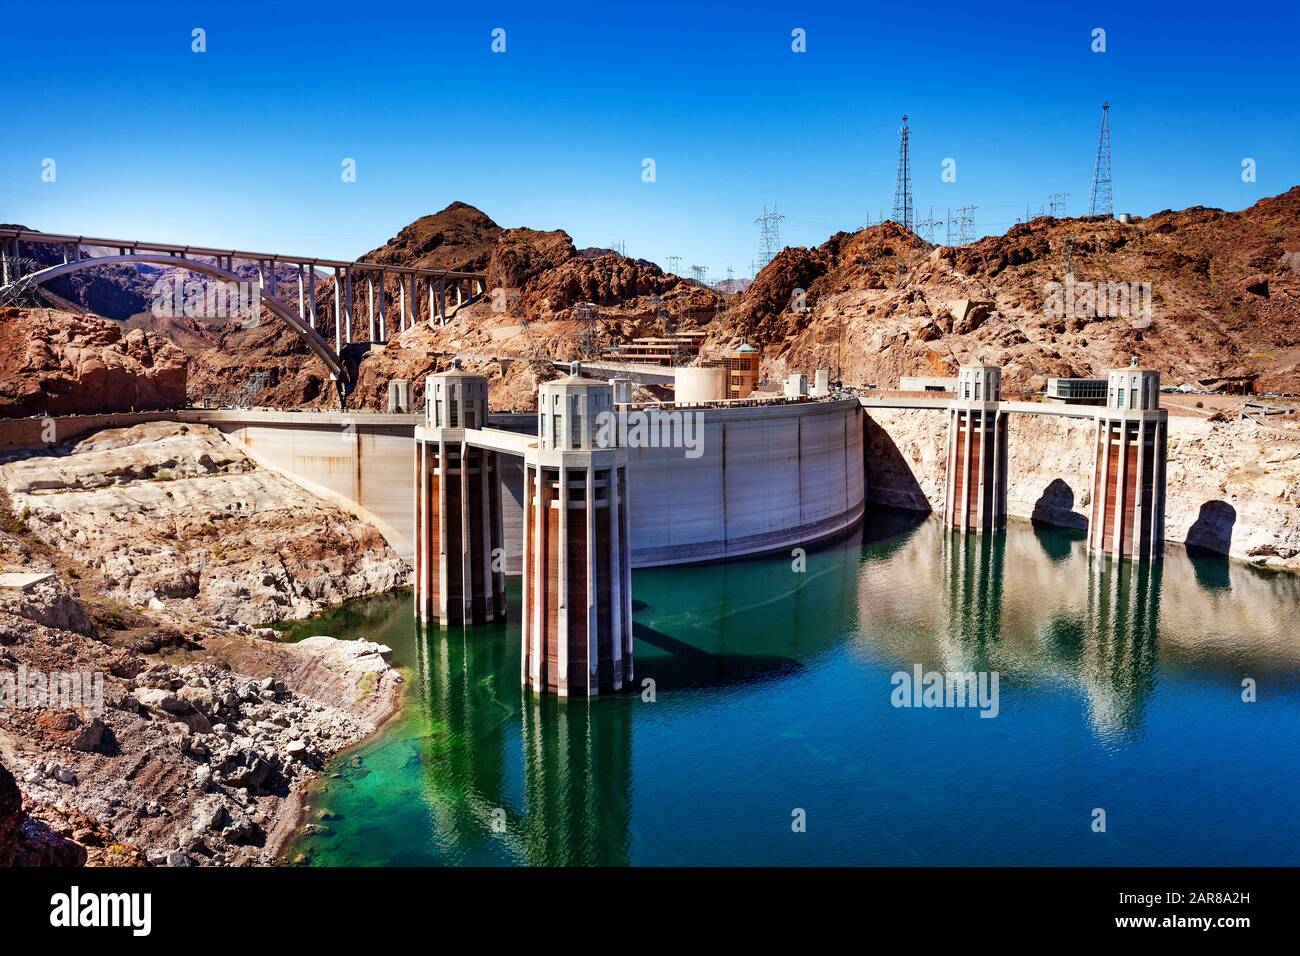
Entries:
{"x":1120,"y":690}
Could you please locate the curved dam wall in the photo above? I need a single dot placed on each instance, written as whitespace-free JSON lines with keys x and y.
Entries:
{"x":767,"y":478}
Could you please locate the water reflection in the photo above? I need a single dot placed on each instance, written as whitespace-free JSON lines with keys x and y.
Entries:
{"x":763,"y":619}
{"x":1120,"y":638}
{"x":760,"y":666}
{"x":577,"y":758}
{"x":973,"y":567}
{"x":464,"y":754}
{"x":577,"y":781}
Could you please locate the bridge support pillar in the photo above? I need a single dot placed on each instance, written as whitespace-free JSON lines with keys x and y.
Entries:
{"x":975,"y":494}
{"x":1128,"y":473}
{"x":577,"y":613}
{"x":459,"y":558}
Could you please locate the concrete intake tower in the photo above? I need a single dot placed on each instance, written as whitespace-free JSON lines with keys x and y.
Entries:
{"x":1128,"y":475}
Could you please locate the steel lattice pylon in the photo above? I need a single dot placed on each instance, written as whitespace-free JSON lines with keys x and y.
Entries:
{"x":1102,"y":203}
{"x":902,"y":212}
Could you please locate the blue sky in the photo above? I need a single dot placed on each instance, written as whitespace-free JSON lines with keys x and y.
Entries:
{"x":242,"y":145}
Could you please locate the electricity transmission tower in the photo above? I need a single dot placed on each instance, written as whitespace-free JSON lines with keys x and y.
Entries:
{"x":1102,"y":204}
{"x":1067,"y":257}
{"x":588,"y":333}
{"x":902,"y":211}
{"x":769,"y":236}
{"x":700,"y":274}
{"x":966,"y":226}
{"x":675,"y":265}
{"x":925,"y":227}
{"x":1058,"y":204}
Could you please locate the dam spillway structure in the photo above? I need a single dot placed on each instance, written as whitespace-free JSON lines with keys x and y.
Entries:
{"x":975,"y":494}
{"x":577,"y":577}
{"x":1128,"y":474}
{"x":459,"y":578}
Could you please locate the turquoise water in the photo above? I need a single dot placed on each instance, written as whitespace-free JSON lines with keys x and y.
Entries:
{"x":1119,"y":690}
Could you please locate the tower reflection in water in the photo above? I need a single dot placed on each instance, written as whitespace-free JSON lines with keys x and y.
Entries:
{"x":573,"y":803}
{"x":1105,"y":639}
{"x":973,"y":565}
{"x":1121,"y":632}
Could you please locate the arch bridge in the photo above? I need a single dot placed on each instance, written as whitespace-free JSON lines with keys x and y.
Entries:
{"x":356,"y":295}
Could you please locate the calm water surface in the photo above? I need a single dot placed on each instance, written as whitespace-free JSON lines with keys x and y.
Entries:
{"x":1120,"y":690}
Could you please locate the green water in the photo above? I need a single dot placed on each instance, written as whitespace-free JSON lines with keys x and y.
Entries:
{"x":1119,"y":689}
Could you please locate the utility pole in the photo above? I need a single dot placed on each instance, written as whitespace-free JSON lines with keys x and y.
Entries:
{"x":1102,"y":203}
{"x":588,"y":334}
{"x":1067,"y":257}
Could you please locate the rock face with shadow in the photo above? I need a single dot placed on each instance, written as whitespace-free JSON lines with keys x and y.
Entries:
{"x":57,"y":362}
{"x":26,"y":840}
{"x":1232,"y":487}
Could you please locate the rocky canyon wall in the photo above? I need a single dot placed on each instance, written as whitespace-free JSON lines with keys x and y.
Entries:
{"x":1233,"y":487}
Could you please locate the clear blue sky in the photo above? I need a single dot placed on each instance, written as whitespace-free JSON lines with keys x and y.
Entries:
{"x":241,"y":146}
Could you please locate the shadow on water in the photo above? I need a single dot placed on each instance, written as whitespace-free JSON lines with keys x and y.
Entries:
{"x":684,"y":665}
{"x":893,"y":527}
{"x":1209,"y":540}
{"x":745,"y":621}
{"x":1058,"y":543}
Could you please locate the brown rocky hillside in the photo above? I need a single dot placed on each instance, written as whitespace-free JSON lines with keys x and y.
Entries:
{"x":878,"y":303}
{"x":1224,"y":290}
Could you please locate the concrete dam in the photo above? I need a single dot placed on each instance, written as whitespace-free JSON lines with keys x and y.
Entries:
{"x":575,"y":496}
{"x":768,"y":477}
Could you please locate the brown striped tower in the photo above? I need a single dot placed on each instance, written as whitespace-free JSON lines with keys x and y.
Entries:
{"x":577,"y":586}
{"x":459,"y":560}
{"x":975,"y":496}
{"x":1128,"y":470}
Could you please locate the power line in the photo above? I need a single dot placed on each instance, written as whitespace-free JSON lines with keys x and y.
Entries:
{"x":966,"y":227}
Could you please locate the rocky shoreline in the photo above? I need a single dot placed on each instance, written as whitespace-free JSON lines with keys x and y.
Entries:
{"x":193,"y":732}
